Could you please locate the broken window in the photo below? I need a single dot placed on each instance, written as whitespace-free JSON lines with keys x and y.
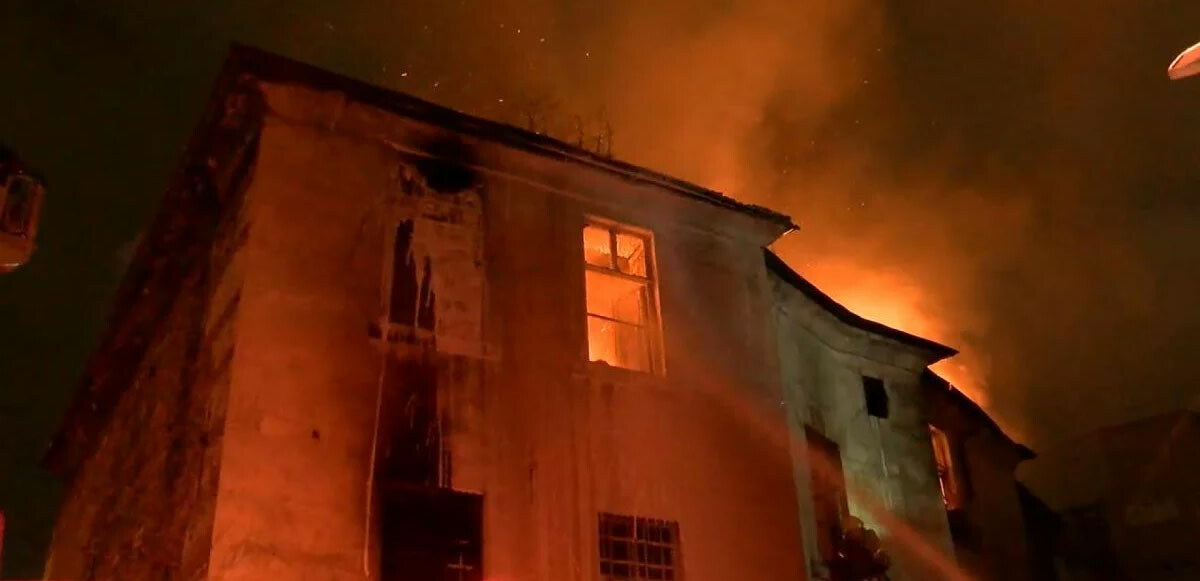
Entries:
{"x":943,"y":457}
{"x":622,"y":313}
{"x":434,"y":286}
{"x":412,"y":283}
{"x":876,"y":396}
{"x":638,"y":548}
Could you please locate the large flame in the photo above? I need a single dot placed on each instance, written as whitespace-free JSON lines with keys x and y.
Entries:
{"x":898,"y":302}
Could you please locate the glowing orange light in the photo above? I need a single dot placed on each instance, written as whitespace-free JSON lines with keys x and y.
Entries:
{"x":898,"y":302}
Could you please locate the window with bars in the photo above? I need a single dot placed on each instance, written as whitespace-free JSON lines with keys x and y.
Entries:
{"x":622,"y":310}
{"x":638,"y":548}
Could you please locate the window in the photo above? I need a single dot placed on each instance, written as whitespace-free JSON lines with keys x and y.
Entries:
{"x":830,"y":504}
{"x":876,"y":396}
{"x":412,"y":297}
{"x":944,"y":460}
{"x":19,"y":197}
{"x":622,"y":314}
{"x":429,"y":534}
{"x":638,"y":548}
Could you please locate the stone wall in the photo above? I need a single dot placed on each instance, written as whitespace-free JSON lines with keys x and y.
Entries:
{"x":887,"y":462}
{"x":547,"y":438}
{"x":143,"y":461}
{"x":262,"y":381}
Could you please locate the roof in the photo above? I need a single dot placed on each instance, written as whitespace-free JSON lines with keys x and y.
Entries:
{"x":274,"y":68}
{"x":845,"y":315}
{"x":972,"y":409}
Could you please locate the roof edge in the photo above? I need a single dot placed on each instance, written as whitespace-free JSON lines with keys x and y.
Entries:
{"x":269,"y":66}
{"x":962,"y":400}
{"x":845,"y":315}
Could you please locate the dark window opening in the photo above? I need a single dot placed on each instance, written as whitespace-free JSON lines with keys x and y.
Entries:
{"x":17,"y":214}
{"x":411,"y":448}
{"x":412,"y":298}
{"x":828,"y":490}
{"x":962,"y":530}
{"x":432,"y":534}
{"x":876,"y":396}
{"x":638,"y":548}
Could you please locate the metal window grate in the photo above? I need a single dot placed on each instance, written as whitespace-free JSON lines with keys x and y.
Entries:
{"x":638,"y":548}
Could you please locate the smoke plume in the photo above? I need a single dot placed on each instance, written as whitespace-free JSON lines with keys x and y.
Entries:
{"x":1012,"y":178}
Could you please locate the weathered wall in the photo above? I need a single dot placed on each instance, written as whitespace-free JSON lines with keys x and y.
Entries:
{"x":887,"y":463}
{"x":548,"y":439}
{"x":294,"y":470}
{"x":990,"y":538}
{"x":994,"y":508}
{"x":140,"y":503}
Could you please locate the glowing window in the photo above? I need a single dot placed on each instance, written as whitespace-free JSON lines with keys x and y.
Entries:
{"x":622,"y":314}
{"x":944,"y":458}
{"x":638,"y":548}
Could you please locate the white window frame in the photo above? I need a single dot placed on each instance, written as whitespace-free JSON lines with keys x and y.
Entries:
{"x":653,"y":326}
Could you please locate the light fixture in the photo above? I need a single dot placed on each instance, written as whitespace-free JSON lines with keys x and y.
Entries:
{"x":1186,"y":64}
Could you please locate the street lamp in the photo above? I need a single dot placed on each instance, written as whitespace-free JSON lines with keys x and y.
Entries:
{"x":1186,"y":64}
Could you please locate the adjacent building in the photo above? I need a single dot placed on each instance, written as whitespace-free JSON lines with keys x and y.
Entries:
{"x":367,"y":337}
{"x":976,"y":467}
{"x":857,"y":415}
{"x":1129,"y":495}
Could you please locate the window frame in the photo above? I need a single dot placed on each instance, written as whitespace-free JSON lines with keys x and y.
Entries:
{"x":652,"y":327}
{"x":637,"y":560}
{"x":947,"y":476}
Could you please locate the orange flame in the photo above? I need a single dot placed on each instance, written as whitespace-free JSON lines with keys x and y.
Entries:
{"x":898,"y":302}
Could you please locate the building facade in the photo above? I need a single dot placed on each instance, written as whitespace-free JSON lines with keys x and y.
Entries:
{"x":857,"y":413}
{"x":371,"y":338}
{"x":976,"y":465}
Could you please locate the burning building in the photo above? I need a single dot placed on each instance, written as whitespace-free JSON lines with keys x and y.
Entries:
{"x":976,"y":467}
{"x":367,"y":337}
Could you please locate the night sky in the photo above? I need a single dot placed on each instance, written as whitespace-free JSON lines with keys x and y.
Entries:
{"x":1016,"y":178}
